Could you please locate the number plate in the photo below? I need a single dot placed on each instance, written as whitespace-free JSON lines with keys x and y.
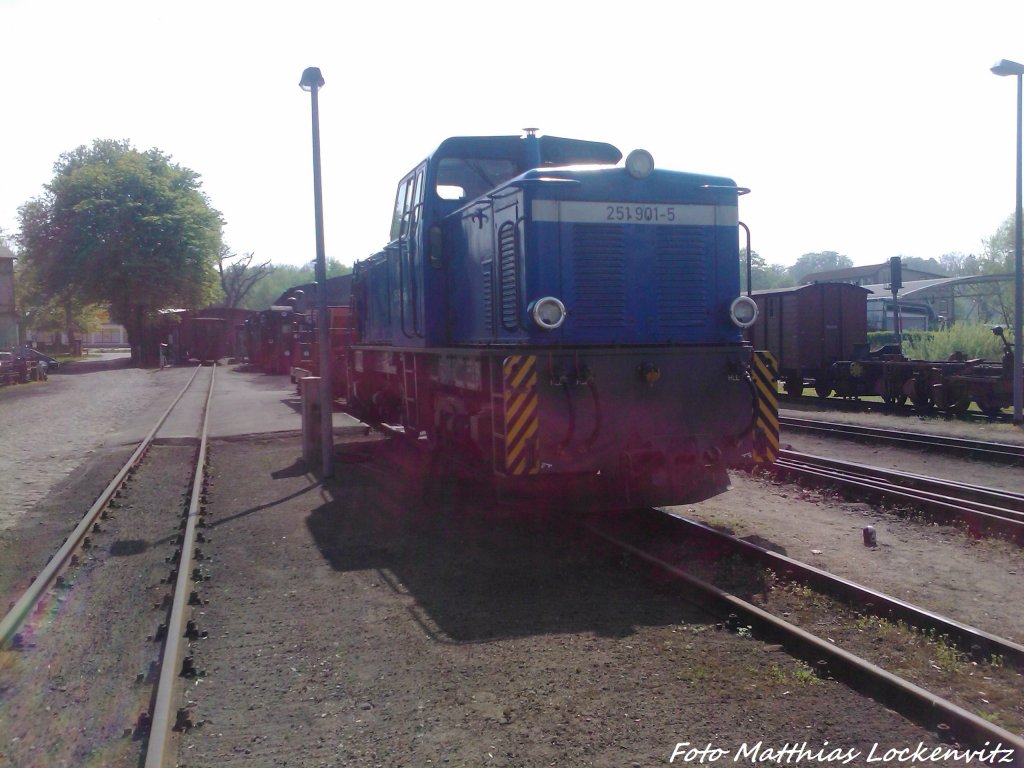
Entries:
{"x":573,"y":212}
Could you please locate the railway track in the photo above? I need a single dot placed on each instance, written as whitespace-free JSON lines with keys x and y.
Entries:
{"x":946,"y":718}
{"x":995,"y":452}
{"x":79,"y":638}
{"x":984,"y":511}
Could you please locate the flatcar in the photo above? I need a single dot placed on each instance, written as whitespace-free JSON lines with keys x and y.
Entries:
{"x":818,"y":336}
{"x":559,"y":321}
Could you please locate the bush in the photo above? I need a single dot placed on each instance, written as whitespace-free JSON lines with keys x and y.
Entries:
{"x":973,"y":341}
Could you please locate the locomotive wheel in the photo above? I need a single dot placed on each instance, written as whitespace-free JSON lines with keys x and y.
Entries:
{"x":794,"y":386}
{"x":823,"y":390}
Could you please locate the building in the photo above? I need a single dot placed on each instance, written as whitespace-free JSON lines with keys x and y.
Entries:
{"x":937,"y":303}
{"x":107,"y":335}
{"x":872,"y":274}
{"x":928,"y":300}
{"x":8,"y":312}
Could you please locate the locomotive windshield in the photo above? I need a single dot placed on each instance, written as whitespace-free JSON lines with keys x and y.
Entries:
{"x":465,"y":178}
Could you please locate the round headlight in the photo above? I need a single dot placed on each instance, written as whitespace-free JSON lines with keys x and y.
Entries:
{"x":548,"y":313}
{"x":639,"y":163}
{"x":743,"y":311}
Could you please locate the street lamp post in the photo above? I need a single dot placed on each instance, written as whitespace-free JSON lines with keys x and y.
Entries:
{"x":313,"y":81}
{"x":1006,"y":68}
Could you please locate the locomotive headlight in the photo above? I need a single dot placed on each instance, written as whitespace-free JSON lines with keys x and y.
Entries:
{"x":743,"y":311}
{"x":639,"y":163}
{"x":549,"y":313}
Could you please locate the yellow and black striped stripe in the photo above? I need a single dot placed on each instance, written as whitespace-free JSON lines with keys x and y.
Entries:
{"x":519,"y":375}
{"x":766,"y":423}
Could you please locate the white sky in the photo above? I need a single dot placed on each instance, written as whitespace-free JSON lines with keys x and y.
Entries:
{"x":869,"y":128}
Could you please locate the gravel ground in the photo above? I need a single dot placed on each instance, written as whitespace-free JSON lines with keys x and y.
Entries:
{"x":384,"y":621}
{"x":54,"y":428}
{"x":72,"y":694}
{"x":379,"y":622}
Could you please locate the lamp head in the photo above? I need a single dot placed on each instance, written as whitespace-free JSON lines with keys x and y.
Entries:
{"x":311,"y":79}
{"x":1005,"y":67}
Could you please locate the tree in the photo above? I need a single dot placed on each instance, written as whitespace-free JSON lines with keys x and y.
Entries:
{"x":818,"y":262}
{"x":48,"y":312}
{"x":925,"y":265}
{"x":5,"y":245}
{"x":287,"y":276}
{"x":127,"y":228}
{"x":959,"y":264}
{"x":762,"y":274}
{"x":238,"y":279}
{"x":998,"y":256}
{"x":998,"y":252}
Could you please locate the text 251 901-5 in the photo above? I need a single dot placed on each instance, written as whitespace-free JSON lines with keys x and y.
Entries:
{"x":666,"y":213}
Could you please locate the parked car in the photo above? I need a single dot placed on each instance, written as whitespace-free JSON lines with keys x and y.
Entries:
{"x":27,"y":353}
{"x":16,"y":368}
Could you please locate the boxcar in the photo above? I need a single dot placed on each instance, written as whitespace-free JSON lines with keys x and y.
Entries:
{"x":207,"y":338}
{"x":808,"y":328}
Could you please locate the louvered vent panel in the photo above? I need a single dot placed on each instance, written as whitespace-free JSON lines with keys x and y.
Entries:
{"x":488,"y":294}
{"x":683,"y":280}
{"x":599,"y":274}
{"x":508,"y":281}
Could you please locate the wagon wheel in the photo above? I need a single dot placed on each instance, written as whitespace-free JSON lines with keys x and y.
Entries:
{"x":959,"y":405}
{"x":989,"y":409}
{"x":794,"y":385}
{"x":921,"y":398}
{"x":823,"y":389}
{"x":895,"y":399}
{"x":922,"y":404}
{"x":957,"y":399}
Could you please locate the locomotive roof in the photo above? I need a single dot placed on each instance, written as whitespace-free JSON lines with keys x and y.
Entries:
{"x":553,"y":150}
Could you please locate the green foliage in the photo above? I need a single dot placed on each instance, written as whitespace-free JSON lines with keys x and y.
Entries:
{"x":762,"y":274}
{"x":925,"y":265}
{"x":824,"y":261}
{"x":127,"y":228}
{"x":973,"y":341}
{"x":48,"y":311}
{"x":287,"y":276}
{"x":960,"y":264}
{"x":5,"y":245}
{"x":238,"y":276}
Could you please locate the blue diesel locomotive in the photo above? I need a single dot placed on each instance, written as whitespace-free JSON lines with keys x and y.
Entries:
{"x":560,"y":322}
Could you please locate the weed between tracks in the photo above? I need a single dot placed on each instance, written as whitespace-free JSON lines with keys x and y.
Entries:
{"x":988,"y":688}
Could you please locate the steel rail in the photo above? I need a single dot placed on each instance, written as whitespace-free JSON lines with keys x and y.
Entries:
{"x":971,"y":640}
{"x":911,"y":700}
{"x":980,"y":497}
{"x":904,"y":411}
{"x":14,"y":618}
{"x":995,"y":451}
{"x":164,"y":713}
{"x":980,"y":516}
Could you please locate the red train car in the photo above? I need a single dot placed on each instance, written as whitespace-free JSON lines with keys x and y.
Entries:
{"x":809,"y":328}
{"x":307,"y":355}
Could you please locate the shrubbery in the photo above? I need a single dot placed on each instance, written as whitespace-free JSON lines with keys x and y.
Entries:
{"x":973,"y":341}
